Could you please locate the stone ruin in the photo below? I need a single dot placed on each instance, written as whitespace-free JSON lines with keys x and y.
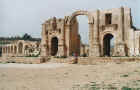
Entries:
{"x":60,"y":36}
{"x":21,"y":48}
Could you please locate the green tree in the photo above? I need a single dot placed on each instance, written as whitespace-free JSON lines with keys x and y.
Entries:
{"x":27,"y":37}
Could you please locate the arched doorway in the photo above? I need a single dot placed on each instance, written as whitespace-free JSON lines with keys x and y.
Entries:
{"x":20,"y":48}
{"x":108,"y":44}
{"x":54,"y":46}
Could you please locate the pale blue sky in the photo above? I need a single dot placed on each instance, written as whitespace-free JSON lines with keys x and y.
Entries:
{"x":26,"y":16}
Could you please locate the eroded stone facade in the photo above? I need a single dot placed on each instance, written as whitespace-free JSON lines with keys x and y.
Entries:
{"x":60,"y":37}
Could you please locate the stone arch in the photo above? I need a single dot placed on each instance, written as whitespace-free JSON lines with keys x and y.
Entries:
{"x":20,"y":48}
{"x":77,"y":13}
{"x":74,"y":33}
{"x":54,"y":46}
{"x":107,"y":44}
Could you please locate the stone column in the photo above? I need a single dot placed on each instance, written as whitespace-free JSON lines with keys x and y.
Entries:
{"x":12,"y":53}
{"x":44,"y":46}
{"x":6,"y":50}
{"x":17,"y":50}
{"x":22,"y":54}
{"x":120,"y":44}
{"x":129,"y":32}
{"x":49,"y":46}
{"x":94,"y":49}
{"x":61,"y":44}
{"x":9,"y":50}
{"x":3,"y":51}
{"x":67,"y":39}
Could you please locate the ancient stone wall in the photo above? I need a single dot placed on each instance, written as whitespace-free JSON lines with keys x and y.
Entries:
{"x":26,"y":60}
{"x":104,"y":25}
{"x":21,"y":48}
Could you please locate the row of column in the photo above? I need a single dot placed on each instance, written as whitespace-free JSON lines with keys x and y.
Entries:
{"x":12,"y":50}
{"x":9,"y":49}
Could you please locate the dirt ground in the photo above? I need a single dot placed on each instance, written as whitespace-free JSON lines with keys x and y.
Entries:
{"x":54,"y":76}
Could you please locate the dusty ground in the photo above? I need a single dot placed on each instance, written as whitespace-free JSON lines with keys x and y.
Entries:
{"x":54,"y":76}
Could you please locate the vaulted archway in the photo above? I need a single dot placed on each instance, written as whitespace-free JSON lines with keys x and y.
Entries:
{"x":108,"y":44}
{"x":54,"y":46}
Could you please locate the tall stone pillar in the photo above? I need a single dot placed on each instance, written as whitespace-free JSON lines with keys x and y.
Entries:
{"x":67,"y":40}
{"x":120,"y":44}
{"x":16,"y":51}
{"x":3,"y":51}
{"x":44,"y":46}
{"x":61,"y":44}
{"x":94,"y":49}
{"x":6,"y":51}
{"x":129,"y":32}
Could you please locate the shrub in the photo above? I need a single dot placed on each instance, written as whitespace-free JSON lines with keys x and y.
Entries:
{"x":126,"y":88}
{"x":63,"y":57}
{"x":124,"y":75}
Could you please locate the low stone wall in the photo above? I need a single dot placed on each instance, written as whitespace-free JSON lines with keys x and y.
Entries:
{"x":61,"y":60}
{"x":95,"y":60}
{"x":27,"y":60}
{"x":81,"y":60}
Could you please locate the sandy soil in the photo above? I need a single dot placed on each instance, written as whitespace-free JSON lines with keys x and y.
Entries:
{"x":52,"y":76}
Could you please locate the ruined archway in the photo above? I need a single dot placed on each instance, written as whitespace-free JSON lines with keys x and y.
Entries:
{"x":54,"y":46}
{"x":75,"y":35}
{"x":108,"y":44}
{"x":20,"y":48}
{"x":77,"y":13}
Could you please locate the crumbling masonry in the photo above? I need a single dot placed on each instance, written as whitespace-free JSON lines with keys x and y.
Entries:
{"x":60,"y":37}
